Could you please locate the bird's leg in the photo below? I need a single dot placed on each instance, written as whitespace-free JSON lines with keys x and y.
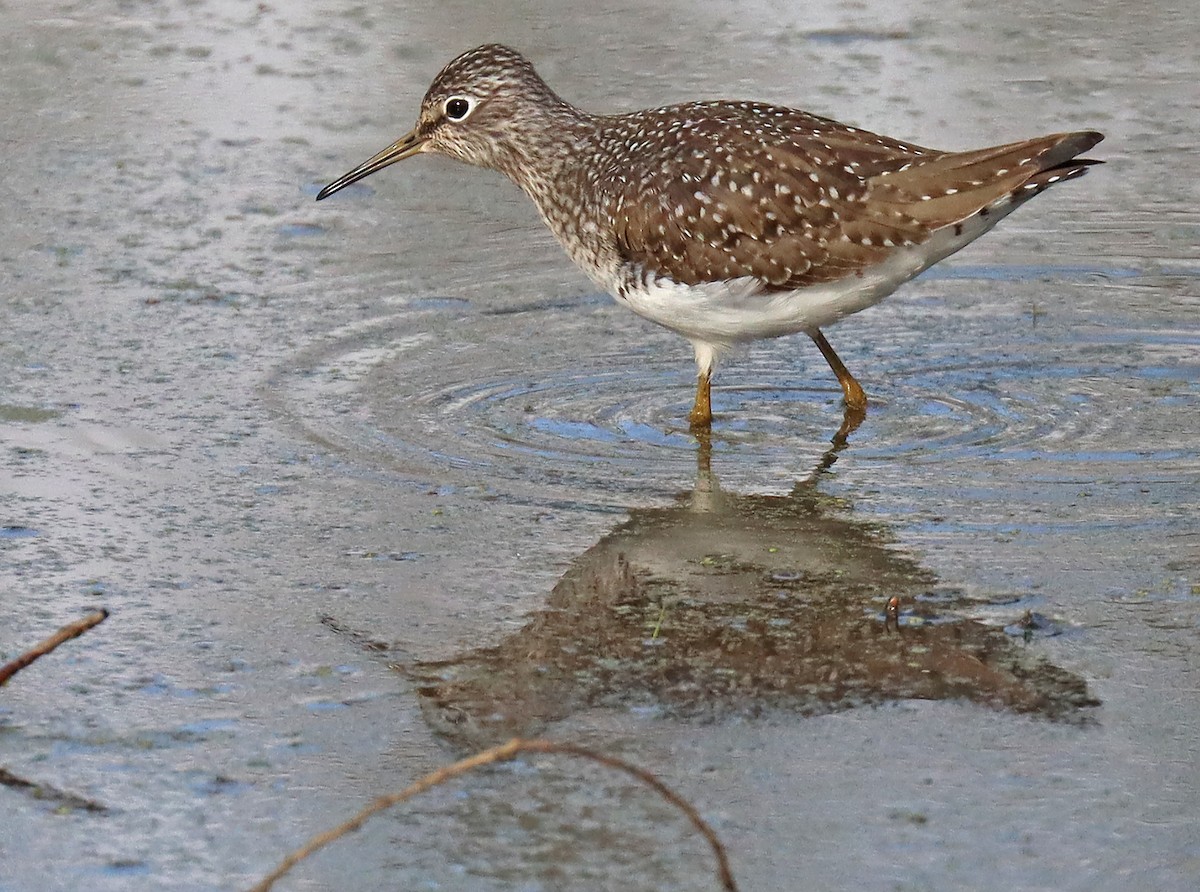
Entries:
{"x":701,"y":414}
{"x":856,"y":398}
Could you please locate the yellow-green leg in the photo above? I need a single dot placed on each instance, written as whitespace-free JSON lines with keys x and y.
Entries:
{"x":706,"y":359}
{"x":856,"y":397}
{"x":701,"y":415}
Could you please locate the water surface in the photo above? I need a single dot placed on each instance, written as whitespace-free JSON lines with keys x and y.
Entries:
{"x":371,"y":482}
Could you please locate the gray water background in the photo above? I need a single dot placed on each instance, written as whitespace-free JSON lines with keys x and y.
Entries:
{"x":246,"y":423}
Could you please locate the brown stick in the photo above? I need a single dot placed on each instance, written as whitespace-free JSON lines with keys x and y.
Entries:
{"x":504,"y":753}
{"x":66,"y":633}
{"x":46,"y":792}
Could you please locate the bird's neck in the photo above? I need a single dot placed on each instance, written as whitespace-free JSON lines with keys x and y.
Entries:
{"x":553,"y":160}
{"x":542,"y":149}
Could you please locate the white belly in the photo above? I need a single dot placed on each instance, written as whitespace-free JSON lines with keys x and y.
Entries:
{"x":724,"y":313}
{"x":738,"y":310}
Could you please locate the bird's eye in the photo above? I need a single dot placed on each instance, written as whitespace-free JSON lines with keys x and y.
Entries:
{"x":458,"y":107}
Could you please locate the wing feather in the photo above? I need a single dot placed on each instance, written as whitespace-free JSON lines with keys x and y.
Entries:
{"x":794,"y":200}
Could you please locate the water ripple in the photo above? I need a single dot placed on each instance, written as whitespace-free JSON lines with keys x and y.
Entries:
{"x":444,"y":393}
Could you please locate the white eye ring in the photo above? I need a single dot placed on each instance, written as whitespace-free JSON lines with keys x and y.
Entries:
{"x":459,"y":108}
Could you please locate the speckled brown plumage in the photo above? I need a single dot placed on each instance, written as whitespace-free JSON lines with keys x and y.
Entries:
{"x":727,"y":221}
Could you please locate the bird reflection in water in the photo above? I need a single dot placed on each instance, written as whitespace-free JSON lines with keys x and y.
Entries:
{"x":726,"y":605}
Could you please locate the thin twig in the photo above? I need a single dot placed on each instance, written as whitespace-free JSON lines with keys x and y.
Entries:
{"x":504,"y":753}
{"x":66,"y":633}
{"x":51,"y":794}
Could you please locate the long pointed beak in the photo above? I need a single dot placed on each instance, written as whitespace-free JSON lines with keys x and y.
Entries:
{"x":409,"y":144}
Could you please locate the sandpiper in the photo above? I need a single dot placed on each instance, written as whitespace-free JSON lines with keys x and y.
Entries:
{"x":727,"y":221}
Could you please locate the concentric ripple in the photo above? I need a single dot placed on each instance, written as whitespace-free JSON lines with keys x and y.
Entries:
{"x":576,"y":401}
{"x":450,"y":395}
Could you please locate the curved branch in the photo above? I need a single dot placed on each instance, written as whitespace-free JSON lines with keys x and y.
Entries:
{"x":504,"y":753}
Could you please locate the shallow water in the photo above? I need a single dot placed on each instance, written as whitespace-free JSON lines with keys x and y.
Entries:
{"x":369,"y":483}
